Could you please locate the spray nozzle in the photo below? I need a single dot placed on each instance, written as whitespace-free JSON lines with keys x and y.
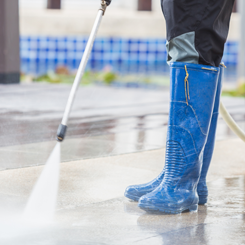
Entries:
{"x":104,"y":4}
{"x":61,"y":132}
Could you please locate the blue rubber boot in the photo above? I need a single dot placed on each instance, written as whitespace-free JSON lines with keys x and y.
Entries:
{"x":202,"y":188}
{"x":193,"y":90}
{"x":135,"y":192}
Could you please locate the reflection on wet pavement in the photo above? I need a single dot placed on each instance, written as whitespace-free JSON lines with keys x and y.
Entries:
{"x":119,"y":221}
{"x":105,"y":121}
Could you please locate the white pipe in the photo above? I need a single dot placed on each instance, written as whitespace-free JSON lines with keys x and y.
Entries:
{"x":231,"y":123}
{"x":82,"y":67}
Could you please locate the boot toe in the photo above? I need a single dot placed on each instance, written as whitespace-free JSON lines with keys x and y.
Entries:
{"x":148,"y":203}
{"x":153,"y":201}
{"x":133,"y":193}
{"x":168,"y":202}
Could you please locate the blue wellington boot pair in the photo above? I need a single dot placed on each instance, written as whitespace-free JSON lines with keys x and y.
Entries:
{"x":193,"y":92}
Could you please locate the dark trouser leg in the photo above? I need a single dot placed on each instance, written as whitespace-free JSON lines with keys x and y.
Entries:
{"x":197,"y":30}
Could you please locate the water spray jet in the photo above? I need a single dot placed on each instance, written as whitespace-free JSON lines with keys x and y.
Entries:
{"x":42,"y":202}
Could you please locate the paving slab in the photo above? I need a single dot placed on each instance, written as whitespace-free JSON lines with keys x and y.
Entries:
{"x":92,"y":210}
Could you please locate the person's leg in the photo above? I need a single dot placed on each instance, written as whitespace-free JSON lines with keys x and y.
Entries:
{"x":135,"y":192}
{"x":188,"y":23}
{"x":192,"y":96}
{"x":206,"y":33}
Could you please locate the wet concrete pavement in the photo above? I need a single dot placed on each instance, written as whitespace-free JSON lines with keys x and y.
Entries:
{"x":116,"y":138}
{"x":92,"y":210}
{"x":105,"y":121}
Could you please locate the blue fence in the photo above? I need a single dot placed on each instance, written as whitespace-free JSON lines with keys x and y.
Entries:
{"x":40,"y":54}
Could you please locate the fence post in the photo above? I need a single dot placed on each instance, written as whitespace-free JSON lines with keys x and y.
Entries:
{"x":144,"y":5}
{"x":54,"y":4}
{"x":9,"y":42}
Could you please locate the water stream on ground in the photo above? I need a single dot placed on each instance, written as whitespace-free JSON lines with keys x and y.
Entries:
{"x":42,"y":202}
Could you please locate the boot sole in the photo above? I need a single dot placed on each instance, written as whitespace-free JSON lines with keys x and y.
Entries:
{"x":150,"y":208}
{"x":202,"y":199}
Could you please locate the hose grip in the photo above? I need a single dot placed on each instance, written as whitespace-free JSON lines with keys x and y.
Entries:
{"x":61,"y":132}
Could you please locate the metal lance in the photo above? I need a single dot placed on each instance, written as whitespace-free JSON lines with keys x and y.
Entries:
{"x":63,"y":126}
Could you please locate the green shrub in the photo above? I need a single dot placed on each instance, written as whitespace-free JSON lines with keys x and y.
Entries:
{"x":239,"y":92}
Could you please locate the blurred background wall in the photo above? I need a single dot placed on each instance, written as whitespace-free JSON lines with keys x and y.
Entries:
{"x":71,"y":4}
{"x":127,"y":37}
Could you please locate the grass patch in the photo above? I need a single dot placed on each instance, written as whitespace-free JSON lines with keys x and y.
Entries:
{"x":239,"y":92}
{"x":62,"y":76}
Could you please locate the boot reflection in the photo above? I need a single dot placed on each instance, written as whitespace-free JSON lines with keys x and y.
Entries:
{"x":185,"y":228}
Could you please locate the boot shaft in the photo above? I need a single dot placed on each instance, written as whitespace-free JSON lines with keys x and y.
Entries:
{"x":192,"y":96}
{"x":209,"y":147}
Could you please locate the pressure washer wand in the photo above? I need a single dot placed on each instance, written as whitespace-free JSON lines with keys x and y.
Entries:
{"x":63,"y":126}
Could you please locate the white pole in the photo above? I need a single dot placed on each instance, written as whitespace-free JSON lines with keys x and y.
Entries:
{"x":63,"y":126}
{"x":241,"y":53}
{"x":82,"y":67}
